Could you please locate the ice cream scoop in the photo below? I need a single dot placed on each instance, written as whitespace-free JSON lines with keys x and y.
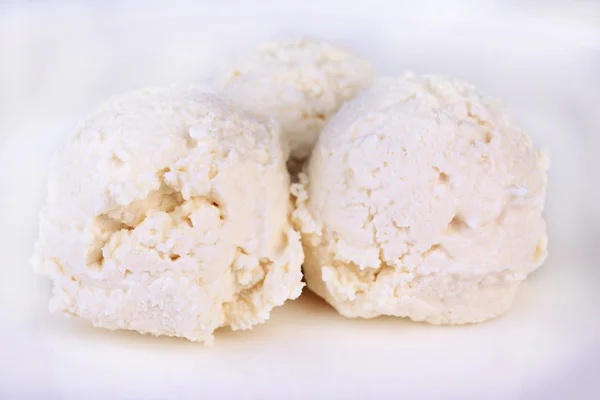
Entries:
{"x":422,"y":199}
{"x":300,"y":82}
{"x":168,"y":213}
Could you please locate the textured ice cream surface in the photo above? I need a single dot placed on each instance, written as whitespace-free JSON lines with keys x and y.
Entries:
{"x":422,"y":199}
{"x":300,"y":82}
{"x":168,"y":213}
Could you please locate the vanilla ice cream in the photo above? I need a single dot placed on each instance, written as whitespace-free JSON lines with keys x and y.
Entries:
{"x":300,"y":82}
{"x":168,"y":213}
{"x":422,"y":199}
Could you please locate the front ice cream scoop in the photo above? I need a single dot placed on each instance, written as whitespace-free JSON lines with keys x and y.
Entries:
{"x":168,"y":213}
{"x":422,"y":199}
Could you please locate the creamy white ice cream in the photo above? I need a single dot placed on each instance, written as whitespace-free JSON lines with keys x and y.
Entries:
{"x":300,"y":82}
{"x":168,"y":213}
{"x":422,"y":199}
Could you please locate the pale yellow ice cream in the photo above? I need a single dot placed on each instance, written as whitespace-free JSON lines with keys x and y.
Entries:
{"x":422,"y":199}
{"x":168,"y":213}
{"x":300,"y":82}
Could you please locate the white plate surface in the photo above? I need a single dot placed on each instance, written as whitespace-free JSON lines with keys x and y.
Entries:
{"x":60,"y":60}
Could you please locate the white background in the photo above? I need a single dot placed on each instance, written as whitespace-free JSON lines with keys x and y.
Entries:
{"x":59,"y":60}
